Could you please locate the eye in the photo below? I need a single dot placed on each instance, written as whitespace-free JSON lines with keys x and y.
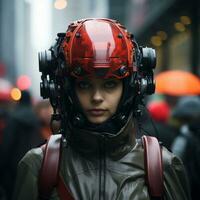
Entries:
{"x":110,"y":84}
{"x":83,"y":85}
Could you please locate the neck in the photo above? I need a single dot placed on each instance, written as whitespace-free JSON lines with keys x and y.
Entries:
{"x":115,"y":145}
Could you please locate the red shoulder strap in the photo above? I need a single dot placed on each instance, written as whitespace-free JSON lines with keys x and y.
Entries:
{"x":50,"y":167}
{"x":63,"y":191}
{"x":153,"y":166}
{"x":49,"y":173}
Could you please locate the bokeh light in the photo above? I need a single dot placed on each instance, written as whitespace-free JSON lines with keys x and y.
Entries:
{"x":185,"y":20}
{"x":162,"y":34}
{"x":156,"y":41}
{"x":15,"y":94}
{"x":23,"y":82}
{"x":60,"y":4}
{"x":179,"y":27}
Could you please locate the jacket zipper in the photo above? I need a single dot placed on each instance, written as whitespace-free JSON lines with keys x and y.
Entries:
{"x":102,"y":168}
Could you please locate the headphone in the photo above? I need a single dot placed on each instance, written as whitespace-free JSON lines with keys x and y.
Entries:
{"x":54,"y":72}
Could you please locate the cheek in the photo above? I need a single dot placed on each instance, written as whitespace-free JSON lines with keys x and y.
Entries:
{"x":115,"y":99}
{"x":83,"y":99}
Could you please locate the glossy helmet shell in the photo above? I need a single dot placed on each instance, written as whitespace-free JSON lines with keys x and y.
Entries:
{"x":98,"y":47}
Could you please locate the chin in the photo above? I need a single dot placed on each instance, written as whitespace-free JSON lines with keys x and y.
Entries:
{"x":97,"y":120}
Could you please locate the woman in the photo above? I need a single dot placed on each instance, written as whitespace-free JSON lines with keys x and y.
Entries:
{"x":95,"y":77}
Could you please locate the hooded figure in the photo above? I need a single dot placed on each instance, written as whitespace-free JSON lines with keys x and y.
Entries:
{"x":95,"y":76}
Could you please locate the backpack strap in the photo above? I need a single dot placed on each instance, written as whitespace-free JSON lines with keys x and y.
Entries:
{"x":49,"y":177}
{"x":63,"y":191}
{"x":50,"y":167}
{"x":153,"y":166}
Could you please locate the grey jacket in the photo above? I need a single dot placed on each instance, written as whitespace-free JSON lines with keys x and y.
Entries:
{"x":106,"y":167}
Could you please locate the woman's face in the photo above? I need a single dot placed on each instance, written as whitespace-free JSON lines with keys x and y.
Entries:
{"x":99,"y":98}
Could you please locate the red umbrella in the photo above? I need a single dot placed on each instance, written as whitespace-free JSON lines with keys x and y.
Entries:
{"x":177,"y":83}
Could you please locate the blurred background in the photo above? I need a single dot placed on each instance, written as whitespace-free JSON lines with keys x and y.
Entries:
{"x":172,"y":27}
{"x":29,"y":26}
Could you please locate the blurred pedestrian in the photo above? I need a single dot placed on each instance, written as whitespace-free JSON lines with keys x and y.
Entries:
{"x":44,"y":111}
{"x":5,"y":104}
{"x":156,"y":120}
{"x":20,"y":135}
{"x":187,"y":143}
{"x":5,"y":108}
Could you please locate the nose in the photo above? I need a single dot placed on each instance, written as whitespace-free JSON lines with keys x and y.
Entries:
{"x":97,"y":96}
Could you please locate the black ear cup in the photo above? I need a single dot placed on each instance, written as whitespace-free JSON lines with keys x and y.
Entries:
{"x":50,"y":65}
{"x":44,"y":88}
{"x":148,"y":61}
{"x":46,"y":62}
{"x":49,"y":89}
{"x":47,"y":66}
{"x":147,"y":85}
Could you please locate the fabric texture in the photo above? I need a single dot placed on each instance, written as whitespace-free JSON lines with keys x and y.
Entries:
{"x":108,"y":169}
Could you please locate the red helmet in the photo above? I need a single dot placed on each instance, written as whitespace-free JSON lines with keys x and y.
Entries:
{"x":98,"y":47}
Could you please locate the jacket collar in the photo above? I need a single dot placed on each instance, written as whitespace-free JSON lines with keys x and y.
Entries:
{"x":114,"y":145}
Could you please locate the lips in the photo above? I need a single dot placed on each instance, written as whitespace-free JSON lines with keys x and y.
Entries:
{"x":96,"y":112}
